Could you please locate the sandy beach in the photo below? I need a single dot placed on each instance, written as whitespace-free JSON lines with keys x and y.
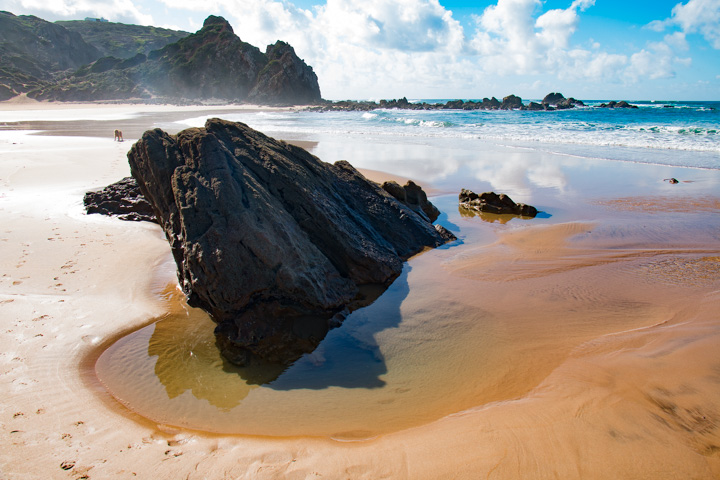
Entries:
{"x":598,"y":327}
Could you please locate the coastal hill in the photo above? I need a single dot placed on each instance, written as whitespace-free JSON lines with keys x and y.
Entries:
{"x":211,"y":64}
{"x":32,"y":50}
{"x":122,"y":40}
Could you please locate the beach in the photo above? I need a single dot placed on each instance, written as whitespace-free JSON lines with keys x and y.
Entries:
{"x":580,"y":344}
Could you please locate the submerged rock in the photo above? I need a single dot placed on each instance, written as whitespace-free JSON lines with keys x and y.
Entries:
{"x":272,"y":242}
{"x":491,"y":202}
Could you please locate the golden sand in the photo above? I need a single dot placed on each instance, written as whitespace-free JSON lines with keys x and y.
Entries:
{"x":592,"y":352}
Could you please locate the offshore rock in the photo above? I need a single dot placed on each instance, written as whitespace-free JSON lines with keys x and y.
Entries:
{"x":123,"y":200}
{"x":511,"y":102}
{"x":272,"y":242}
{"x":491,"y":202}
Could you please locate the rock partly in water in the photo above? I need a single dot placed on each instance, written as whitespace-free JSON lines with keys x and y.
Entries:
{"x":413,"y":196}
{"x":614,"y":104}
{"x":491,"y":202}
{"x":557,"y":100}
{"x":272,"y":242}
{"x":123,"y":200}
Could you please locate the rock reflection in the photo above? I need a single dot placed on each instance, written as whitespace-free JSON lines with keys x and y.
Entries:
{"x":489,"y":217}
{"x":188,"y":359}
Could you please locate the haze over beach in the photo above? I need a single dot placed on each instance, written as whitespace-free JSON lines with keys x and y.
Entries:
{"x":275,"y":316}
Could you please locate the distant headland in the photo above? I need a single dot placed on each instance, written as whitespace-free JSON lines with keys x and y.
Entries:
{"x":99,"y":61}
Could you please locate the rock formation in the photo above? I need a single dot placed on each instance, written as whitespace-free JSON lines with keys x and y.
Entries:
{"x":122,"y":199}
{"x":286,"y":79}
{"x":511,"y":102}
{"x":211,"y":64}
{"x":491,"y":202}
{"x":413,"y":196}
{"x":272,"y":242}
{"x":558,"y":100}
{"x":614,"y":104}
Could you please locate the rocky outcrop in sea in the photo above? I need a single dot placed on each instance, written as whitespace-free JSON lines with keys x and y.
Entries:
{"x":553,"y":101}
{"x":275,"y":244}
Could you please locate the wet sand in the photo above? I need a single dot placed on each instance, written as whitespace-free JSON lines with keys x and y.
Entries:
{"x":597,"y":327}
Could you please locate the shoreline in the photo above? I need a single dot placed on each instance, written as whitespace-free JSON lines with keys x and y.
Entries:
{"x":594,"y":415}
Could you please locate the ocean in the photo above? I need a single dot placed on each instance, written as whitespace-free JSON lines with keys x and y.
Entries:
{"x":683,"y":134}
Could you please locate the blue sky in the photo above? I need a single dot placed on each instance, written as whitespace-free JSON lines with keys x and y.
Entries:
{"x":588,"y":49}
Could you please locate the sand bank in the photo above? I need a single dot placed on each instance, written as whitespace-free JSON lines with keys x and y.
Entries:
{"x":626,"y":387}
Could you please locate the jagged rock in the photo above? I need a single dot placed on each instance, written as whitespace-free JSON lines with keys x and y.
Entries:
{"x":268,"y":239}
{"x":536,"y":106}
{"x":491,"y":202}
{"x":559,"y":101}
{"x":414,"y":197}
{"x":122,"y":199}
{"x":553,"y":99}
{"x":511,"y":102}
{"x":211,"y":63}
{"x":614,"y":104}
{"x":286,"y":79}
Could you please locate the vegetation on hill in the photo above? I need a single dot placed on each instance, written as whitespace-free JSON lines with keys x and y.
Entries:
{"x":51,"y":62}
{"x":121,"y":40}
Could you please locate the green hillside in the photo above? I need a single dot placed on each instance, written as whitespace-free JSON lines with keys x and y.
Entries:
{"x":121,"y":40}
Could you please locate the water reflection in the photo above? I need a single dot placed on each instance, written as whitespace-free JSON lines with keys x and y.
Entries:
{"x":188,"y":359}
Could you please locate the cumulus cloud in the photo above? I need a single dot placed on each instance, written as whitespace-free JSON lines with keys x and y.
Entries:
{"x":417,"y":48}
{"x":114,"y":10}
{"x":695,"y":16}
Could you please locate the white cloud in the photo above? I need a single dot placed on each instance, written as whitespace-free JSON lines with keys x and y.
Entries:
{"x":114,"y":10}
{"x":695,"y":16}
{"x":417,"y":48}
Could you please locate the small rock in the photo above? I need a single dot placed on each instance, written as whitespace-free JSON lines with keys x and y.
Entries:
{"x":491,"y":202}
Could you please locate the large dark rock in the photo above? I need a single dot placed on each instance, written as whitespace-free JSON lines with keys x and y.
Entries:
{"x":122,"y":199}
{"x":491,"y":202}
{"x":272,"y":242}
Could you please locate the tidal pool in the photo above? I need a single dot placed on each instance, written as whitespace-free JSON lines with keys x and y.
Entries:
{"x":482,"y":320}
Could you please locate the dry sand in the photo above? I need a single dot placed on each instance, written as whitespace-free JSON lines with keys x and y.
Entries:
{"x":638,"y":403}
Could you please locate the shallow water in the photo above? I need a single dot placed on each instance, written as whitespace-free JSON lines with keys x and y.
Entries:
{"x":482,"y":320}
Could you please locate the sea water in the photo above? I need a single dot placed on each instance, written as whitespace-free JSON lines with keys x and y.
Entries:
{"x":486,"y":318}
{"x":668,"y":133}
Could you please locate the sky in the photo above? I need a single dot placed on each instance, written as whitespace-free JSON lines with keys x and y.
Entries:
{"x":446,"y":49}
